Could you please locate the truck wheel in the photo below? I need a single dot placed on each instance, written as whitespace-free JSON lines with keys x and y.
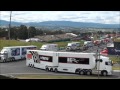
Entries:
{"x":28,"y":65}
{"x":76,"y":71}
{"x":51,"y":69}
{"x":56,"y":70}
{"x":47,"y":69}
{"x":13,"y":59}
{"x":88,"y":73}
{"x":32,"y":65}
{"x":81,"y":72}
{"x":104,"y":73}
{"x":4,"y":60}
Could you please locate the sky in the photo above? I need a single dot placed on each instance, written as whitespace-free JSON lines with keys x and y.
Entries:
{"x":105,"y":17}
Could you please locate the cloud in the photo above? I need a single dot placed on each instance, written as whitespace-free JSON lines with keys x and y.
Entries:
{"x":111,"y":17}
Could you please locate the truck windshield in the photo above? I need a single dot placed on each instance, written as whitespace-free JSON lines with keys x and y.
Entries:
{"x":2,"y":53}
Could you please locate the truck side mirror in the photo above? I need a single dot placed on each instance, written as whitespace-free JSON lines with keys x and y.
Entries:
{"x":101,"y":60}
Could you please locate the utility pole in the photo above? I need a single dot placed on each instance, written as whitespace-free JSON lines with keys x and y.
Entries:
{"x":119,"y":56}
{"x":98,"y":62}
{"x":9,"y":25}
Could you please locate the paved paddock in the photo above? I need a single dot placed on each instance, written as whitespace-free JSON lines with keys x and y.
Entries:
{"x":19,"y":67}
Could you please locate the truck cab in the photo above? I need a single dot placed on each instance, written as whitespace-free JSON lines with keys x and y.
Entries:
{"x":4,"y":54}
{"x":104,"y":66}
{"x":88,"y":44}
{"x":73,"y":46}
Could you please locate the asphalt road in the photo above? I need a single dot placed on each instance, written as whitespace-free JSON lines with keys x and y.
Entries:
{"x":19,"y":67}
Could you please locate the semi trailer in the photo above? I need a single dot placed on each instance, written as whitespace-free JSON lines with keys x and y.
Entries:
{"x":72,"y":62}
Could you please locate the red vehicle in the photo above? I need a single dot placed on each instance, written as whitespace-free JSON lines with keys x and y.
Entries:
{"x":104,"y":52}
{"x":97,"y":42}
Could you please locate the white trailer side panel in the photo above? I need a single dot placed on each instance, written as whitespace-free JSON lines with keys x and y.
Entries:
{"x":69,"y":57}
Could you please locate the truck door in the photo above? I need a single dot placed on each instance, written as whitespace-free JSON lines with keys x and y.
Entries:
{"x":6,"y":55}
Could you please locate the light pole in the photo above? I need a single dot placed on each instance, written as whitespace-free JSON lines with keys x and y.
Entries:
{"x":98,"y":62}
{"x":9,"y":25}
{"x":119,"y":28}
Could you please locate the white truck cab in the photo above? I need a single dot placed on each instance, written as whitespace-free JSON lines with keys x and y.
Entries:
{"x":73,"y":46}
{"x":14,"y":53}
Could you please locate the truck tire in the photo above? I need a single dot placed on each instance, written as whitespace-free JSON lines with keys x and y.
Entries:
{"x":56,"y":70}
{"x":32,"y":65}
{"x":10,"y":59}
{"x":77,"y":71}
{"x":47,"y":69}
{"x":81,"y":72}
{"x":13,"y":59}
{"x":51,"y":69}
{"x":28,"y":65}
{"x":4,"y":61}
{"x":104,"y":73}
{"x":88,"y":72}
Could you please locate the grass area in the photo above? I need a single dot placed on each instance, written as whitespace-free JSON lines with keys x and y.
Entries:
{"x":41,"y":76}
{"x":6,"y":43}
{"x":116,"y":68}
{"x":115,"y":59}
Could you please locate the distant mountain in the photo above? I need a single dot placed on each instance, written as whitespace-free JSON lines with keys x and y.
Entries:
{"x":61,"y":24}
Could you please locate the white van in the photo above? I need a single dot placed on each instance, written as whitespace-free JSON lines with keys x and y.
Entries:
{"x":49,"y":47}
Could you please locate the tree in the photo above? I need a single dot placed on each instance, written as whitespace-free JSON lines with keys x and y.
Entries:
{"x":32,"y":31}
{"x":22,"y":32}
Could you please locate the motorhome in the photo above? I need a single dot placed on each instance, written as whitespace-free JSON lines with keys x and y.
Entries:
{"x":72,"y":62}
{"x":14,"y":53}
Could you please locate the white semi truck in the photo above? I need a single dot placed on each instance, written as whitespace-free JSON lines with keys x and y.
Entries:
{"x":73,"y":46}
{"x":80,"y":63}
{"x":14,"y":53}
